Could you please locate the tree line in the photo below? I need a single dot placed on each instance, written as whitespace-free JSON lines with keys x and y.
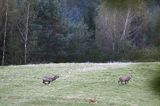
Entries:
{"x":43,"y":31}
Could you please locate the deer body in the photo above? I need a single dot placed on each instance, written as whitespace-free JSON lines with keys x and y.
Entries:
{"x":124,"y":79}
{"x":48,"y":80}
{"x":93,"y":100}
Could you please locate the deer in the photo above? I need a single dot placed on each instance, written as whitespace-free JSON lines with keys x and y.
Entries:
{"x":47,"y":80}
{"x":125,"y":79}
{"x":92,"y":100}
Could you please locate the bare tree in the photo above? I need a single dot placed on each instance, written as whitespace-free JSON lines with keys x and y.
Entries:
{"x":126,"y":23}
{"x":24,"y":31}
{"x":115,"y":26}
{"x":5,"y":33}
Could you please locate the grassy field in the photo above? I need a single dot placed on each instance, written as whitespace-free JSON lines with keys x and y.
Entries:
{"x":78,"y":83}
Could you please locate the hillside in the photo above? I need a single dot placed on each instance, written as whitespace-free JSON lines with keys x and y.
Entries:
{"x":78,"y":84}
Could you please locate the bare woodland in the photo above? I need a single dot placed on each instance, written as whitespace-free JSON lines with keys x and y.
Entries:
{"x":116,"y":28}
{"x":37,"y":31}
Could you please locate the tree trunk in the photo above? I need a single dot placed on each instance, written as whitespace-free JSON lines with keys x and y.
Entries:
{"x":26,"y":32}
{"x":125,"y":25}
{"x":113,"y":47}
{"x":5,"y":33}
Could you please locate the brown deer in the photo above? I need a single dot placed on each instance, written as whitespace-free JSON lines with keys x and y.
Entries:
{"x":92,"y":100}
{"x":125,"y":79}
{"x":47,"y":80}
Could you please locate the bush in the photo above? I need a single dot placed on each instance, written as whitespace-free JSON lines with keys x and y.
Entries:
{"x":149,"y":54}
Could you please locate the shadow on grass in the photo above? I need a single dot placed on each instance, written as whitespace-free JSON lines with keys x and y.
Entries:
{"x":155,"y":83}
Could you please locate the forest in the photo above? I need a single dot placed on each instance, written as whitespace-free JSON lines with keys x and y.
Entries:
{"x":60,"y":31}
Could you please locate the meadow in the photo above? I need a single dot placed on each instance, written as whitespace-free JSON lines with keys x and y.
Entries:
{"x":77,"y":84}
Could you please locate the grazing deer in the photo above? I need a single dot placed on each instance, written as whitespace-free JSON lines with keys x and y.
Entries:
{"x":48,"y":80}
{"x":125,"y":79}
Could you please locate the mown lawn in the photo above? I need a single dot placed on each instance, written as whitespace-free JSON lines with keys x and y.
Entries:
{"x":78,"y":83}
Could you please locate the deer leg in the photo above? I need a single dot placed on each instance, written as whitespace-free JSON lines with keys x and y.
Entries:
{"x":126,"y":82}
{"x":122,"y":82}
{"x":43,"y":81}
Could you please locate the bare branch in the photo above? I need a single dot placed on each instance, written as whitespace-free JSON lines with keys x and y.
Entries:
{"x":126,"y":23}
{"x":21,"y":33}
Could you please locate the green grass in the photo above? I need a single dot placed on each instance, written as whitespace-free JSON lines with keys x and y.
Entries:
{"x":22,"y":85}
